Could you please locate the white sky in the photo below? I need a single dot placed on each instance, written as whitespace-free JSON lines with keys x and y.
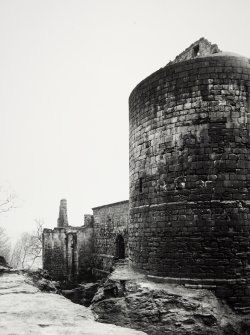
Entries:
{"x":66,"y":71}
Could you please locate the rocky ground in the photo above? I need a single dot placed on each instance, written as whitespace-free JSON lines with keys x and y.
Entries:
{"x":29,"y":305}
{"x":25,"y":310}
{"x":130,"y":300}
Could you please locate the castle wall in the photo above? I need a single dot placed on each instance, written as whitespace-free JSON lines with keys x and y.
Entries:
{"x":110,"y":221}
{"x":68,"y":252}
{"x":54,"y":252}
{"x":85,"y":252}
{"x":190,"y":174}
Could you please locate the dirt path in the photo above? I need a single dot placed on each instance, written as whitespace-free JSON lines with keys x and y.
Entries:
{"x":24,"y":310}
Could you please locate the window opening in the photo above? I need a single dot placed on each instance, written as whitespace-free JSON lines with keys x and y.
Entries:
{"x":140,"y":185}
{"x":196,"y":50}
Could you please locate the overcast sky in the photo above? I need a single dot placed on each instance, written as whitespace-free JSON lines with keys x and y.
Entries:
{"x":66,"y":71}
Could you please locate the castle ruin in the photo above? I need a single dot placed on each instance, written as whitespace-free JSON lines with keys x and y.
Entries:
{"x":77,"y":253}
{"x":189,"y":206}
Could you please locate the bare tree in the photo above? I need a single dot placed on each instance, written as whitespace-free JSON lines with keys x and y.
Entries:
{"x":28,"y":249}
{"x":20,"y":251}
{"x":7,"y":200}
{"x":15,"y":260}
{"x":37,"y":241}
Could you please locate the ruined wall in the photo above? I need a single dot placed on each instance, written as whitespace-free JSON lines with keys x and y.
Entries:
{"x":77,"y":253}
{"x":54,"y":252}
{"x":202,"y":47}
{"x":110,"y":221}
{"x":68,"y":252}
{"x":190,"y":174}
{"x":85,"y":249}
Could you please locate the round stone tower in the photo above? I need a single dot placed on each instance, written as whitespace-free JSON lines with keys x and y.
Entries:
{"x":190,"y":172}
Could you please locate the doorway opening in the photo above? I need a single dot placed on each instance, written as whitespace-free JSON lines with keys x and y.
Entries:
{"x":120,"y":247}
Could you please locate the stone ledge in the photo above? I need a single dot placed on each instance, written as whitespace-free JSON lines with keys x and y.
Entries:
{"x":196,"y":281}
{"x":103,"y":256}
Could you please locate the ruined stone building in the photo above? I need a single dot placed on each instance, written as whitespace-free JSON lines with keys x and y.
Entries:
{"x":77,"y":253}
{"x":189,"y":206}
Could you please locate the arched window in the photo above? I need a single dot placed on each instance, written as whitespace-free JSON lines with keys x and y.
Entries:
{"x":120,"y":247}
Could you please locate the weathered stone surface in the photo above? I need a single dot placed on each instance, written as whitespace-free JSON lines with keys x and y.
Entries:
{"x":202,"y":47}
{"x":88,"y":292}
{"x":46,"y":285}
{"x":83,"y":294}
{"x":25,"y":310}
{"x":166,"y":309}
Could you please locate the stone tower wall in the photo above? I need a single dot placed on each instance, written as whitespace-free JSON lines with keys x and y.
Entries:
{"x":190,"y":174}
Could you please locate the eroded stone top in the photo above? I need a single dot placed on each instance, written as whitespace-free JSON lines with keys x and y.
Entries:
{"x":202,"y":47}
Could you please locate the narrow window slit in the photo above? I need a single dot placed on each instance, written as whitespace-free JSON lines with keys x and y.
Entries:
{"x":140,"y":185}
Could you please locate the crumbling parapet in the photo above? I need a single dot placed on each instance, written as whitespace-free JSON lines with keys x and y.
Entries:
{"x":200,"y":48}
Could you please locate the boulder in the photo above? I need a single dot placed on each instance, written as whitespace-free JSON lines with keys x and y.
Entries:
{"x":46,"y":285}
{"x":26,"y":310}
{"x":166,"y":309}
{"x":83,"y":294}
{"x":42,"y":280}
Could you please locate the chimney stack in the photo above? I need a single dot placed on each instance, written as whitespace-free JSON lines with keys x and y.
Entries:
{"x":63,"y":218}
